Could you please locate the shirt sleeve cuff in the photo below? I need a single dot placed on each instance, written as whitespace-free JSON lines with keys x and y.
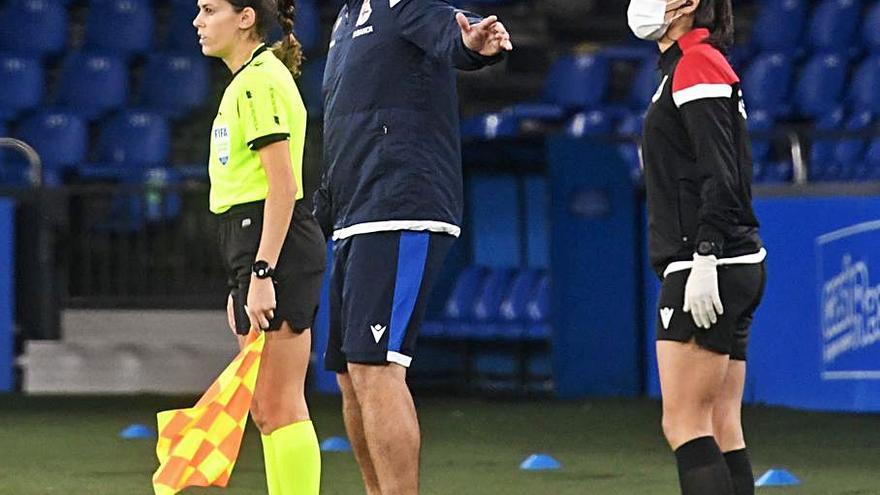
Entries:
{"x":708,"y":233}
{"x":478,"y":59}
{"x":263,"y":141}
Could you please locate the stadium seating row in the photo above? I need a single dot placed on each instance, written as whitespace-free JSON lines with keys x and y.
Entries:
{"x":495,"y":304}
{"x":791,"y":26}
{"x":127,"y":143}
{"x":92,"y":85}
{"x":120,"y":27}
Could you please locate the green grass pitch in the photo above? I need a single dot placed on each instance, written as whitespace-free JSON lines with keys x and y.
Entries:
{"x":70,"y":446}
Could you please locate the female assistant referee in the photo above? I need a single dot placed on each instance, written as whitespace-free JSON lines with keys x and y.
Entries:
{"x":703,"y":239}
{"x":272,"y":247}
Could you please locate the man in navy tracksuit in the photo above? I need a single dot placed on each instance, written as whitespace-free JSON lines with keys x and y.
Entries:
{"x":391,"y":197}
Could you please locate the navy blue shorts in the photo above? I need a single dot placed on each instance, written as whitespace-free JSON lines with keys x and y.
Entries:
{"x":379,"y":290}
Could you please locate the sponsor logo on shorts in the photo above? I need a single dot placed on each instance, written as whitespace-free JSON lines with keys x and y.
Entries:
{"x":378,"y":331}
{"x":666,"y":317}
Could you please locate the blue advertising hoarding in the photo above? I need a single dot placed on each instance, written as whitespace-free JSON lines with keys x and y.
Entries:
{"x":849,"y":302}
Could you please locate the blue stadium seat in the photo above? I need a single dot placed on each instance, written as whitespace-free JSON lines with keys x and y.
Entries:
{"x":777,"y":172}
{"x":92,"y":84}
{"x":490,"y":126}
{"x":872,"y":160}
{"x":22,"y":80}
{"x":779,"y":25}
{"x":592,"y":123}
{"x":485,"y":307}
{"x":460,"y":302}
{"x":580,"y":83}
{"x":132,"y":209}
{"x":644,"y":85}
{"x":757,"y":172}
{"x":851,"y":151}
{"x":514,"y":307}
{"x":159,"y":201}
{"x":822,"y":166}
{"x":760,"y":121}
{"x":575,"y":82}
{"x":820,"y":86}
{"x":863,"y":93}
{"x":33,"y":27}
{"x":120,"y":26}
{"x":175,"y":84}
{"x":152,"y":197}
{"x":834,"y":25}
{"x":871,"y":29}
{"x":739,"y":56}
{"x":766,"y":83}
{"x":848,"y":153}
{"x":61,"y":139}
{"x":538,"y":311}
{"x":630,"y":126}
{"x":134,"y":138}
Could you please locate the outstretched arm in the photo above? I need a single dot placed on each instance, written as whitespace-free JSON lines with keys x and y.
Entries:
{"x":464,"y":40}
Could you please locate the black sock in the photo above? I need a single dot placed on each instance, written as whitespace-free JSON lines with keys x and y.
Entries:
{"x":701,"y":468}
{"x":740,"y":472}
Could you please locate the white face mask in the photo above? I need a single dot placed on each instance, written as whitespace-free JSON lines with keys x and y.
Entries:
{"x":647,"y":18}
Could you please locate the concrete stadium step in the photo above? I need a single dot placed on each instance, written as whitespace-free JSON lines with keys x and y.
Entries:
{"x":129,"y":352}
{"x":148,"y":327}
{"x":59,"y":367}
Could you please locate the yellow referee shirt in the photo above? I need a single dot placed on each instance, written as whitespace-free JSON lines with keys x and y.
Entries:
{"x":261,"y":105}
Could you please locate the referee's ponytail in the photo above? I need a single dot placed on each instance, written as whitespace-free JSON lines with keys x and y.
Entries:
{"x":717,"y":17}
{"x":288,"y":50}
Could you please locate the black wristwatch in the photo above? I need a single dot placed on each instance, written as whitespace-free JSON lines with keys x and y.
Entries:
{"x":707,"y":248}
{"x":262,"y":270}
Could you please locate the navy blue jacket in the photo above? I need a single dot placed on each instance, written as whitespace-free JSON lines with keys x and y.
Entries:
{"x":392,"y":148}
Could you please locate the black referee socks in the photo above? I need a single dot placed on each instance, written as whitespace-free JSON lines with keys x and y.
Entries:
{"x":740,"y":472}
{"x":702,"y":469}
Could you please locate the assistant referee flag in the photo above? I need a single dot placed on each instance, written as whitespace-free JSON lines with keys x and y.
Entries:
{"x":199,"y":446}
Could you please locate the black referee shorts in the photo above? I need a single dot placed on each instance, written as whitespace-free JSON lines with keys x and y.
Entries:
{"x":741,"y":288}
{"x":298,"y":274}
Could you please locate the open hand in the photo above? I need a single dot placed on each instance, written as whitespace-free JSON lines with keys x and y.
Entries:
{"x":487,"y":37}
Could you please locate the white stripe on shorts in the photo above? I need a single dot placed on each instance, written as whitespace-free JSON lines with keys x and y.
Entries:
{"x":398,"y":358}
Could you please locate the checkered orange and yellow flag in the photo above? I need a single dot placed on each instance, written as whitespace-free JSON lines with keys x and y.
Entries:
{"x":199,"y":446}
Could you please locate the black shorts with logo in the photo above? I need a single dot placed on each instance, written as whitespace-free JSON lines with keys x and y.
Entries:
{"x":298,"y":274}
{"x":379,"y":291}
{"x":741,"y":288}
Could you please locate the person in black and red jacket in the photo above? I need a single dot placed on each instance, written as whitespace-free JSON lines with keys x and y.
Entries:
{"x":702,"y":239}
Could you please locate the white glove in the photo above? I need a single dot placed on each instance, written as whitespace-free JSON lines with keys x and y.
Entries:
{"x":701,"y":297}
